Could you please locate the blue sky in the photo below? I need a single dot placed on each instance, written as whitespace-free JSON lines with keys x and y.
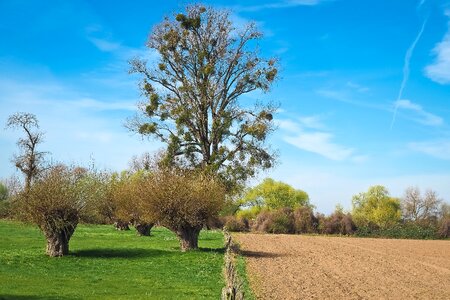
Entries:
{"x":364,"y":88}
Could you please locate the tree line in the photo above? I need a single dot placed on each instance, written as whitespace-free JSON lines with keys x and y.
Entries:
{"x":276,"y":207}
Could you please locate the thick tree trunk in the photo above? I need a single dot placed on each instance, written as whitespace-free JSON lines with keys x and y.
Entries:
{"x":58,"y":242}
{"x":121,"y":225}
{"x":143,"y":229}
{"x":188,"y":236}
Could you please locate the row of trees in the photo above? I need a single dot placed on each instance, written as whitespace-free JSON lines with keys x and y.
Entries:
{"x":276,"y":207}
{"x":180,"y":200}
{"x":213,"y":142}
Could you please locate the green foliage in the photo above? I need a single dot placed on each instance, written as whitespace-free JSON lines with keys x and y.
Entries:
{"x":3,"y":192}
{"x":407,"y":230}
{"x":273,"y":194}
{"x":108,"y":264}
{"x":205,"y":66}
{"x":376,"y":208}
{"x":249,"y":213}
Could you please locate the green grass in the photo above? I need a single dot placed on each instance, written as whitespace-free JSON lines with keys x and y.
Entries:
{"x":242,"y":272}
{"x":107,"y":264}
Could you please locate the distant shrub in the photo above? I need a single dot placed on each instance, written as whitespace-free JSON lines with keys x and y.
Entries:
{"x":277,"y":221}
{"x":407,"y":230}
{"x":305,"y":221}
{"x":337,"y":223}
{"x":236,"y":224}
{"x":444,"y":229}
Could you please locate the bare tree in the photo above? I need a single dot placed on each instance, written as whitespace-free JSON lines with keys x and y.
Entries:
{"x":420,"y":208}
{"x":29,"y":161}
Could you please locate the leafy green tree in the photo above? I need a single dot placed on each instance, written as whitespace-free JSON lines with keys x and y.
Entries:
{"x":273,"y":194}
{"x":205,"y":66}
{"x":376,"y":208}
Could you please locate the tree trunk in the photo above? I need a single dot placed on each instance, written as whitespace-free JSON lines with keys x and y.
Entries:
{"x":121,"y":225}
{"x":143,"y":229}
{"x":58,"y":242}
{"x":188,"y":236}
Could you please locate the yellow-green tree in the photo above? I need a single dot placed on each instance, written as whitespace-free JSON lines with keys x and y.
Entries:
{"x":273,"y":194}
{"x":376,"y":208}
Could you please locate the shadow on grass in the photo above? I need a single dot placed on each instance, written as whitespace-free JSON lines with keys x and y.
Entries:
{"x":120,"y":253}
{"x":27,"y":297}
{"x":215,"y":250}
{"x":259,"y":254}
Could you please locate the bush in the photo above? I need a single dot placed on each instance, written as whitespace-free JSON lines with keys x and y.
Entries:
{"x":277,"y":221}
{"x":305,"y":221}
{"x":236,"y":224}
{"x":444,"y":229}
{"x":407,"y":230}
{"x":336,"y":223}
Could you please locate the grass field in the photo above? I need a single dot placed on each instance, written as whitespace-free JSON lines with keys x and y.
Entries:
{"x":107,"y":264}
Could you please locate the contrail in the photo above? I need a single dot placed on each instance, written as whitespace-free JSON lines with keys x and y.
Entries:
{"x":408,"y":56}
{"x":420,"y":4}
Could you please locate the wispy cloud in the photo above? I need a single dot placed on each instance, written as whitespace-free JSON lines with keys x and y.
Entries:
{"x":439,"y":70}
{"x":439,"y":149}
{"x":308,"y":133}
{"x":347,"y":96}
{"x":418,"y":114}
{"x":278,"y":4}
{"x":406,"y":65}
{"x":320,"y":143}
{"x":104,"y":45}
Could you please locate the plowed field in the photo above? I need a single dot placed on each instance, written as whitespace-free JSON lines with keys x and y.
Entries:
{"x":315,"y":267}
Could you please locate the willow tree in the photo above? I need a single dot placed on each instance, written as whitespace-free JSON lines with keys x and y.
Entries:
{"x":194,"y":91}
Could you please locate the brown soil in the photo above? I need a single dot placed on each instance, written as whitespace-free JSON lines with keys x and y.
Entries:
{"x":317,"y":267}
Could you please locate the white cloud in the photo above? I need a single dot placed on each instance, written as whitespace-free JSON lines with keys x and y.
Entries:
{"x":439,"y":70}
{"x":346,"y":96}
{"x":322,"y":144}
{"x":312,"y":122}
{"x":418,"y":114}
{"x":309,"y":133}
{"x":279,"y":4}
{"x":105,"y":45}
{"x":357,"y":87}
{"x":439,"y":149}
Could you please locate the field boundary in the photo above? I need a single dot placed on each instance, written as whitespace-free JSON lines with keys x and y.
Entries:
{"x":234,"y":286}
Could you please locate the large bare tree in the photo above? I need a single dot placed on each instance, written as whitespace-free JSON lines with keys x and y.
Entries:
{"x":194,"y":94}
{"x":30,"y":161}
{"x":420,"y":208}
